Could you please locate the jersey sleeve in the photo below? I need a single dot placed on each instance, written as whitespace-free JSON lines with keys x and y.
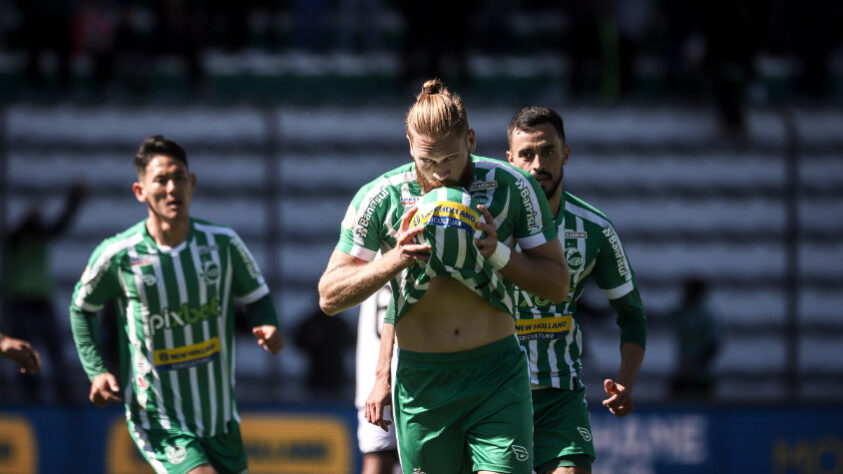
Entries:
{"x":536,"y":225}
{"x":362,"y":227}
{"x":98,"y":285}
{"x":248,"y":284}
{"x":615,"y":277}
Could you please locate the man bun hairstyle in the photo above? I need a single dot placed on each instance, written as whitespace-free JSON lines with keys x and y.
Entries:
{"x":437,"y":112}
{"x":154,"y":146}
{"x":531,"y":117}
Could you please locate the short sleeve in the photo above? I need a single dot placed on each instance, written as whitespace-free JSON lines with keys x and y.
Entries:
{"x":361,"y":230}
{"x":248,"y":284}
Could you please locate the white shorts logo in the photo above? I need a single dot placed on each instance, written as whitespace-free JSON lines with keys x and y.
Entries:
{"x":586,"y":435}
{"x":521,"y":452}
{"x":175,"y":454}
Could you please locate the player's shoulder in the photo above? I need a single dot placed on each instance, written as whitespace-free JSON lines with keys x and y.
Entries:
{"x":382,"y":187}
{"x":501,"y":171}
{"x":579,"y":207}
{"x":216,"y":232}
{"x":120,"y":243}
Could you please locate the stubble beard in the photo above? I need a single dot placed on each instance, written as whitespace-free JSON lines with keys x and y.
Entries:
{"x":465,"y":179}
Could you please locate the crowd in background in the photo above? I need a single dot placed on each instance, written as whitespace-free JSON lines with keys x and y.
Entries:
{"x":713,"y":46}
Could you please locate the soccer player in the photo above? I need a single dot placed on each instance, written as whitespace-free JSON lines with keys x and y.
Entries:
{"x":20,"y":352}
{"x":174,"y":279}
{"x":461,"y":397}
{"x":379,"y":448}
{"x":549,"y":331}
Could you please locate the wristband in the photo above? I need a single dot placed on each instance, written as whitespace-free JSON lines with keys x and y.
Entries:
{"x":500,"y":257}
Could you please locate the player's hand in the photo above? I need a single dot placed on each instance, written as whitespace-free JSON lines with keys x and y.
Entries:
{"x":21,"y":353}
{"x":104,"y":390}
{"x":619,"y":402}
{"x":408,"y":248}
{"x":269,"y":337}
{"x":379,"y":397}
{"x":487,"y":240}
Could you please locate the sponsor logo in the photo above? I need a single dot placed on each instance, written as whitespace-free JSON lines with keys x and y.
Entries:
{"x":553,"y":327}
{"x":363,"y":220}
{"x":574,"y":258}
{"x":348,"y":220}
{"x":169,"y":319}
{"x":210,"y":272}
{"x":19,"y":447}
{"x":149,"y":279}
{"x":141,"y":261}
{"x":208,"y":249}
{"x":142,"y":366}
{"x":448,"y":214}
{"x":418,"y":470}
{"x":407,"y":198}
{"x":620,"y":260}
{"x":141,"y":382}
{"x":572,"y":234}
{"x":530,"y":212}
{"x":521,"y":453}
{"x":175,"y":454}
{"x":482,"y":186}
{"x":187,"y":356}
{"x":251,"y":267}
{"x":585,"y":433}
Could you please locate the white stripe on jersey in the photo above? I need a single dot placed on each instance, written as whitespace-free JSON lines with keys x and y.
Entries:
{"x":136,"y":345}
{"x":526,"y":242}
{"x":259,"y":293}
{"x":100,"y":265}
{"x":168,"y":340}
{"x":146,"y":448}
{"x":223,"y":287}
{"x":615,"y":293}
{"x":224,"y":294}
{"x":188,"y":340}
{"x":203,"y":299}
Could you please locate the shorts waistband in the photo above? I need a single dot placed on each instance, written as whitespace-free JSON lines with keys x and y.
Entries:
{"x":506,"y":344}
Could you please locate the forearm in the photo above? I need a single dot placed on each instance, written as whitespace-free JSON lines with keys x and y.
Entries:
{"x":84,"y":327}
{"x":346,"y":284}
{"x":541,"y":276}
{"x":632,"y":356}
{"x":383,"y":370}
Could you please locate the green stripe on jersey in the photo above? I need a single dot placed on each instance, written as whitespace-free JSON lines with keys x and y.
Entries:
{"x":550,"y":331}
{"x":177,"y":315}
{"x":512,"y":196}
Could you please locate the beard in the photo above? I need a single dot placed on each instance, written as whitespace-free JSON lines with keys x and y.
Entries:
{"x":555,"y":184}
{"x":465,"y":179}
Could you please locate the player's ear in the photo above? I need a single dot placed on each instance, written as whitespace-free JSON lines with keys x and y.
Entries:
{"x":193,"y":182}
{"x":472,"y":140}
{"x":410,"y":140}
{"x":566,"y":152}
{"x":140,"y":193}
{"x":508,"y":156}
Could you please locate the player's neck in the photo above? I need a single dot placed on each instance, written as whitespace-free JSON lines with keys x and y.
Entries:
{"x":169,"y":233}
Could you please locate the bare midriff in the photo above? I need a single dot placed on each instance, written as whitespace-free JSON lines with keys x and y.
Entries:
{"x":451,"y":318}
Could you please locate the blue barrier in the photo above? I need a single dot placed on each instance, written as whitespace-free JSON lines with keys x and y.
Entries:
{"x":304,"y":438}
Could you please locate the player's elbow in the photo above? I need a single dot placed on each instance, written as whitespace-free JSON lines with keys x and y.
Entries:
{"x":328,"y":305}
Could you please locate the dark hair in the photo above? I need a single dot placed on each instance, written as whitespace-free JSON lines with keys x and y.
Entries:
{"x":154,"y":146}
{"x":436,"y":112}
{"x":531,"y":117}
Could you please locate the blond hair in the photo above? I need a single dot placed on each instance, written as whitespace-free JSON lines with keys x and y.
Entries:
{"x":437,"y":112}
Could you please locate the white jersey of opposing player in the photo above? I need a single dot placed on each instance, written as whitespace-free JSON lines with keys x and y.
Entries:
{"x":370,"y":438}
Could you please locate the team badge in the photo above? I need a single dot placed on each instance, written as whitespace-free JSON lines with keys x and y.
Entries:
{"x":586,"y":435}
{"x":149,"y":279}
{"x":521,"y":452}
{"x":175,"y":454}
{"x":210,"y":272}
{"x":574,"y":258}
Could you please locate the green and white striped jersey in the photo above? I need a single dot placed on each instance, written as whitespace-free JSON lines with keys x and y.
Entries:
{"x":512,"y":196}
{"x":550,"y":331}
{"x":176,"y":320}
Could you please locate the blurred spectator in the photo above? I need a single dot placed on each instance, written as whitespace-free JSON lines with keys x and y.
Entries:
{"x":96,"y":35}
{"x":46,"y":28}
{"x":436,"y":41}
{"x":20,"y":352}
{"x":180,"y":33}
{"x":324,"y":340}
{"x":359,"y":26}
{"x":699,"y":337}
{"x":28,"y":288}
{"x":309,"y":30}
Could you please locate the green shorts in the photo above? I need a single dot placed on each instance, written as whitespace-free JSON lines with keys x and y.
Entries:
{"x":562,"y":429}
{"x":177,"y":451}
{"x":464,"y":411}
